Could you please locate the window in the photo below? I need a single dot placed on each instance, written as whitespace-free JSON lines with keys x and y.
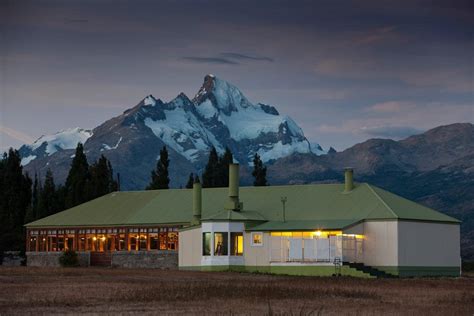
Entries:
{"x":33,"y":243}
{"x":206,"y":244}
{"x":133,"y":242}
{"x":220,"y":244}
{"x":236,"y":244}
{"x":172,"y":241}
{"x":154,"y":241}
{"x":257,"y":239}
{"x":143,"y":242}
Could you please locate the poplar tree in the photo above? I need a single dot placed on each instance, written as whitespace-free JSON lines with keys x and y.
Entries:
{"x":223,"y":175}
{"x":160,"y":177}
{"x":15,"y":199}
{"x":77,"y":179}
{"x":101,"y":178}
{"x":211,"y":172}
{"x":259,"y":172}
{"x":47,"y":203}
{"x":35,"y":197}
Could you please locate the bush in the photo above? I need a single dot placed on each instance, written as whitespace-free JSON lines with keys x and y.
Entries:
{"x":69,"y":259}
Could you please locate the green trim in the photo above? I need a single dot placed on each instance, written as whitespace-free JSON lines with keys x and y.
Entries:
{"x":410,"y":271}
{"x":284,"y":270}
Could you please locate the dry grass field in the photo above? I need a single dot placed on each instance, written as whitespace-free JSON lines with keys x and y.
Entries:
{"x":125,"y":291}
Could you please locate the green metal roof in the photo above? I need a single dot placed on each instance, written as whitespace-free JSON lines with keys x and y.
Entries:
{"x":318,"y":203}
{"x":228,"y":215}
{"x":306,"y":225}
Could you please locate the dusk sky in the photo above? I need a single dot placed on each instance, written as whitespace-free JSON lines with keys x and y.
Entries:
{"x":345,"y":71}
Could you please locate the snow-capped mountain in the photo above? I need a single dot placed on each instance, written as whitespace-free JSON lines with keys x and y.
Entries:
{"x":219,"y":115}
{"x":47,"y":145}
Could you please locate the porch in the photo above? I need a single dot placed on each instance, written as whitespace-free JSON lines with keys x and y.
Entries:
{"x":315,"y":247}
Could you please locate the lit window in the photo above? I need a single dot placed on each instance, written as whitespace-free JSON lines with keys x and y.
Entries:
{"x":257,"y":239}
{"x":220,"y":244}
{"x":236,"y":244}
{"x":206,"y":244}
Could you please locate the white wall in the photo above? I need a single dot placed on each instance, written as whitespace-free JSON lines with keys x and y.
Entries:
{"x":257,"y":255}
{"x":380,"y":243}
{"x":428,"y":244}
{"x":190,"y":247}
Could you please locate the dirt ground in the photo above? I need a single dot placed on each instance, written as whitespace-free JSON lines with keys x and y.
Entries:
{"x":126,"y":291}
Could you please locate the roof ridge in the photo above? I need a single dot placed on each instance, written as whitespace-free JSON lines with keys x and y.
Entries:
{"x":381,"y":200}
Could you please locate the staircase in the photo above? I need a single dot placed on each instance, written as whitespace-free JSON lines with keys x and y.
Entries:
{"x":369,"y":270}
{"x":101,"y":259}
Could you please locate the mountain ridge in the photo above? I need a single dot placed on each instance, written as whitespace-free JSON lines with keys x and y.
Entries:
{"x":219,"y":116}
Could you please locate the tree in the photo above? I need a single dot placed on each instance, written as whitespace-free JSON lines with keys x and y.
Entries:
{"x":77,"y":179}
{"x":48,"y":200}
{"x":189,"y":184}
{"x":15,"y":199}
{"x":160,"y":177}
{"x":211,"y":171}
{"x":259,"y":172}
{"x":101,"y":178}
{"x":223,"y":173}
{"x":32,"y":211}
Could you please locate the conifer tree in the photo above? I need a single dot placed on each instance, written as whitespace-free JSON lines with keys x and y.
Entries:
{"x":259,"y":172}
{"x":160,"y":177}
{"x":77,"y":179}
{"x":101,"y":178}
{"x":189,"y":184}
{"x":47,"y":203}
{"x":211,"y":172}
{"x":35,"y":197}
{"x":15,"y":199}
{"x":224,"y":161}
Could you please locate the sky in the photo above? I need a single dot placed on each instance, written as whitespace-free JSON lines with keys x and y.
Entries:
{"x":345,"y":71}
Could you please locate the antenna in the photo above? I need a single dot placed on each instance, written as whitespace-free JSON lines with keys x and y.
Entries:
{"x":283,"y":202}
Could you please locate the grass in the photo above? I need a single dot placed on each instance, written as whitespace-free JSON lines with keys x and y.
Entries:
{"x":28,"y":290}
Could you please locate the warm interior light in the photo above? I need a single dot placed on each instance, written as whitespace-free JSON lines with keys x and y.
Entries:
{"x":102,"y":238}
{"x":318,"y":233}
{"x":94,"y":238}
{"x":240,"y":244}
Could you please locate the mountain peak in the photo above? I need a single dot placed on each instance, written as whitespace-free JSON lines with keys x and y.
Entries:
{"x":222,"y":95}
{"x":149,"y":100}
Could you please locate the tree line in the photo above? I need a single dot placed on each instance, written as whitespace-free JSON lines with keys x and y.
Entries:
{"x":215,"y":174}
{"x":23,"y":200}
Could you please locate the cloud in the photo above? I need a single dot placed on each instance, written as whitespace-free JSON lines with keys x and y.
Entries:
{"x":376,"y":35}
{"x":16,"y":134}
{"x":394,"y":132}
{"x":228,"y":58}
{"x":390,"y":107}
{"x":239,"y":56}
{"x":210,"y":60}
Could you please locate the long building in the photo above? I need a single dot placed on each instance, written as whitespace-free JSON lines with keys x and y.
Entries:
{"x":319,"y":229}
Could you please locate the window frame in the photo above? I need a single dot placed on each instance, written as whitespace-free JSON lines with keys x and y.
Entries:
{"x":252,"y":243}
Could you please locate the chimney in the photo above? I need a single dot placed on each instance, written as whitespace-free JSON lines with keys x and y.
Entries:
{"x":233,"y":203}
{"x":197,"y":203}
{"x":349,"y":181}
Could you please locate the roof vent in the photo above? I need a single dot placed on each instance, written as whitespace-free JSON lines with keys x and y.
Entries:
{"x":348,"y":179}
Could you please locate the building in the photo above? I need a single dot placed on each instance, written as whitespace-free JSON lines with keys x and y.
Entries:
{"x":322,"y":229}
